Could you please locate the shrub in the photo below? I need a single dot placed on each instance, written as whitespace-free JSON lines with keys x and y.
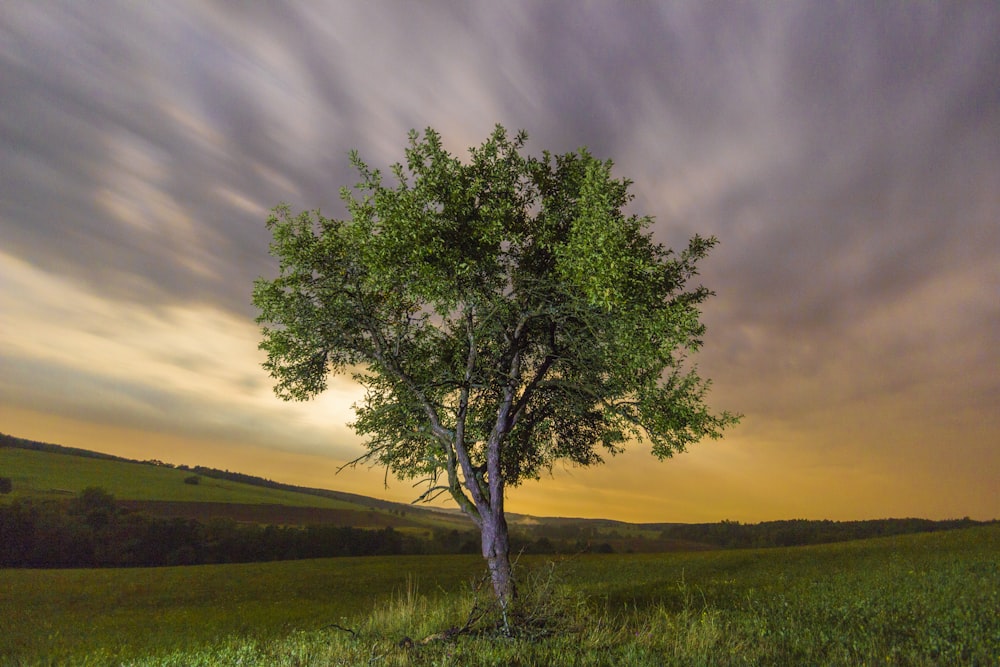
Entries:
{"x":193,"y":479}
{"x":6,"y":485}
{"x":95,"y":505}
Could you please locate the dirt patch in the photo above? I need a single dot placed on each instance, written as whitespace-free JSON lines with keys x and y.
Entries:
{"x":275,"y":515}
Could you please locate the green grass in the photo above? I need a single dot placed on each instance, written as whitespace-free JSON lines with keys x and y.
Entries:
{"x":912,"y":600}
{"x":59,"y":616}
{"x":43,"y":474}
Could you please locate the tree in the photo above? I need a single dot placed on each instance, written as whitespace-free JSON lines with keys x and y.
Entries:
{"x":95,"y":505}
{"x":502,"y":314}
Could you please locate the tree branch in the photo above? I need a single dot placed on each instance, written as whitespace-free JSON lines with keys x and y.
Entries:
{"x":479,"y":495}
{"x":539,"y":375}
{"x":529,"y":389}
{"x":500,"y":430}
{"x":424,"y":496}
{"x":445,"y":436}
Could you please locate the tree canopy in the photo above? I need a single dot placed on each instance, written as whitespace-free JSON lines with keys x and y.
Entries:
{"x":502,"y":314}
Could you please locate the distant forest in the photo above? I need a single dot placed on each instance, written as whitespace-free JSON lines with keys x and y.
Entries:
{"x":92,"y":529}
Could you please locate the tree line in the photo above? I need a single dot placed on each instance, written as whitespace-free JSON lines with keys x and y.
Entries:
{"x":593,"y":535}
{"x":799,"y":532}
{"x":92,"y":530}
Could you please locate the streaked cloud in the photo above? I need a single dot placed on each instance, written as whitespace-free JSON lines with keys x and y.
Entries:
{"x":192,"y":370}
{"x":847,"y":155}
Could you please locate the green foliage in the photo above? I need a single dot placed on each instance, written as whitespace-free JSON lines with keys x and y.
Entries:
{"x":912,"y":600}
{"x":95,"y":505}
{"x":502,"y":314}
{"x":193,"y":480}
{"x":6,"y":485}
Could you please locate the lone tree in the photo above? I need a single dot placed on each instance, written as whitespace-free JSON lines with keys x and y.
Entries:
{"x":502,"y":314}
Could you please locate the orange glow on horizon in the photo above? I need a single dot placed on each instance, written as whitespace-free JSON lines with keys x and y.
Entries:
{"x":698,"y":486}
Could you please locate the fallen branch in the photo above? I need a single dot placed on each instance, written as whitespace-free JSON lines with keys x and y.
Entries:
{"x":340,"y":627}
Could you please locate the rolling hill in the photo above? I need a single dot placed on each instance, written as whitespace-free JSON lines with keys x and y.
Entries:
{"x":47,"y":471}
{"x":43,"y":471}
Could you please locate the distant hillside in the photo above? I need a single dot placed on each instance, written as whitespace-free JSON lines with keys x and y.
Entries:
{"x":158,"y":488}
{"x":213,"y":473}
{"x":44,"y":470}
{"x":22,"y":443}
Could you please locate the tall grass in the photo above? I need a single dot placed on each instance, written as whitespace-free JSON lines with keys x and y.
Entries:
{"x":913,"y":600}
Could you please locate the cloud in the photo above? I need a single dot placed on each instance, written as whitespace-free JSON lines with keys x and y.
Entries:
{"x":846,"y":155}
{"x":192,"y":370}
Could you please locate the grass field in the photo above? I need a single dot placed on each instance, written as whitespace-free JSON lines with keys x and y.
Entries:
{"x":41,"y":474}
{"x":913,"y":600}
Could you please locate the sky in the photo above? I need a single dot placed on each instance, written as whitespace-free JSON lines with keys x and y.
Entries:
{"x":846,"y":155}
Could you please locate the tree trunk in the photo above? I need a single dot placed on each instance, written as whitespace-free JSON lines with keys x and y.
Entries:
{"x":496,"y":551}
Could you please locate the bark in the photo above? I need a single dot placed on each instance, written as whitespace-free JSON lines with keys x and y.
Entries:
{"x":496,"y":551}
{"x":496,"y":539}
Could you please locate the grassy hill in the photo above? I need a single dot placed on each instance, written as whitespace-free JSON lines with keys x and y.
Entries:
{"x":39,"y":474}
{"x":48,"y":471}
